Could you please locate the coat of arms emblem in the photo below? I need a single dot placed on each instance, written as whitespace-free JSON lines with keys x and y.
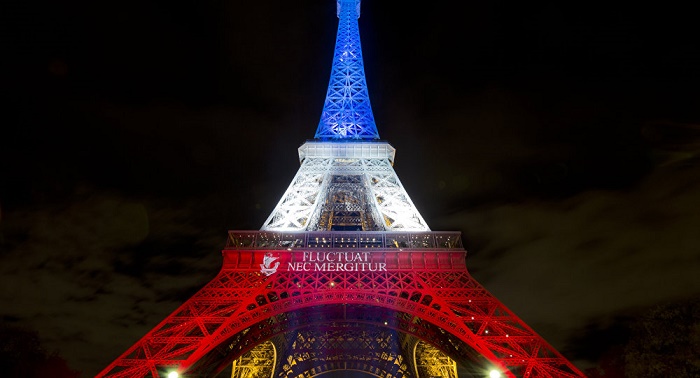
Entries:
{"x":266,"y":268}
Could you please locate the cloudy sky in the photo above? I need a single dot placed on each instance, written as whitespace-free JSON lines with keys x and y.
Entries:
{"x":561,"y":139}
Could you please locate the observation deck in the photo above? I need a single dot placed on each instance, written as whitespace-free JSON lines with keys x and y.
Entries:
{"x":375,"y":240}
{"x":347,"y":149}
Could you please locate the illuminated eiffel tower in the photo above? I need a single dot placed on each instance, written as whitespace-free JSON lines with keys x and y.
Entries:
{"x":344,"y":276}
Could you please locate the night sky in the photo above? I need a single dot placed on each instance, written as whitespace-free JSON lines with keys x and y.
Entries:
{"x":561,"y":138}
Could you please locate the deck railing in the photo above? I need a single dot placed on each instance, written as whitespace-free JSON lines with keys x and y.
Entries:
{"x":344,"y":239}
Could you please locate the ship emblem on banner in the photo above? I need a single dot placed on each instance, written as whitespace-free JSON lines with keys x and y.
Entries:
{"x":266,"y":268}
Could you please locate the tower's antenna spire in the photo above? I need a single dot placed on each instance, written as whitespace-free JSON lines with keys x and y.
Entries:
{"x":347,"y":112}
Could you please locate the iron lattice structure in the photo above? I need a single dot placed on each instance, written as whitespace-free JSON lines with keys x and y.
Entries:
{"x":367,"y":287}
{"x":347,"y":113}
{"x":345,"y":186}
{"x":345,"y":275}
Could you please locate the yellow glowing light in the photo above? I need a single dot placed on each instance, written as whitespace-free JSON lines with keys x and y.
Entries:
{"x":173,"y":374}
{"x":494,"y":374}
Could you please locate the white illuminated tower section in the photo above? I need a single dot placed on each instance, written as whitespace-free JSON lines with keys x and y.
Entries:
{"x":346,"y":181}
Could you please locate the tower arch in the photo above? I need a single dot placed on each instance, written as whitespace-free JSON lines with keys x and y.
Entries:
{"x":335,"y":336}
{"x":423,"y":290}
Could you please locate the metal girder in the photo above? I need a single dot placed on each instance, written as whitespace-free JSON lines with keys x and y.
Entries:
{"x":347,"y":113}
{"x":431,"y":362}
{"x":326,"y":338}
{"x":378,"y":197}
{"x":259,"y":362}
{"x":371,"y":349}
{"x":419,"y":292}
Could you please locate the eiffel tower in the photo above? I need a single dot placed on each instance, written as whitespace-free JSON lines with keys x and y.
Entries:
{"x":344,"y":278}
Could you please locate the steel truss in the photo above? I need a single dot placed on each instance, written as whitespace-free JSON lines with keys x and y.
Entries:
{"x":321,"y":348}
{"x":259,"y":362}
{"x":432,"y":362}
{"x":344,"y":344}
{"x":338,"y":187}
{"x":347,"y":113}
{"x":425,"y":292}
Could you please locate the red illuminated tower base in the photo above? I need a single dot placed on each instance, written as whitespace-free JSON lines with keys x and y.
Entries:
{"x":277,"y":284}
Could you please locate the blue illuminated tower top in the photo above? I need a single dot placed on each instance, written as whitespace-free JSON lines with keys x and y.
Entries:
{"x":347,"y":112}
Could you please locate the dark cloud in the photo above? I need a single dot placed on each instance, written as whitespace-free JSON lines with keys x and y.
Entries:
{"x":95,"y":274}
{"x":562,"y":264}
